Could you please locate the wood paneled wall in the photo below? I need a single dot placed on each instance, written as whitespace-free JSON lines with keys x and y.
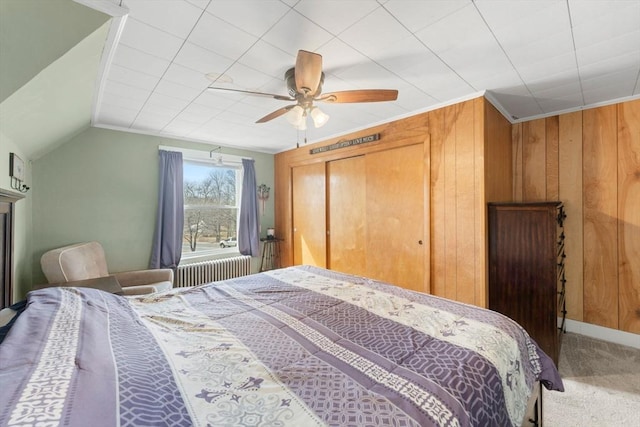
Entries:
{"x":468,"y":162}
{"x":470,"y":166}
{"x":591,"y":161}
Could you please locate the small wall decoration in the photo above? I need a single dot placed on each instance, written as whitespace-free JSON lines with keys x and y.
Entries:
{"x":16,"y":167}
{"x":17,"y":173}
{"x":346,"y":143}
{"x":263,"y":194}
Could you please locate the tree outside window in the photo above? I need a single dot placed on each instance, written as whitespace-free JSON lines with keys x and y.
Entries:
{"x":211,"y":198}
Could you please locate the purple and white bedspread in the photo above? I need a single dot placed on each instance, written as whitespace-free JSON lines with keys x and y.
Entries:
{"x":299,"y":347}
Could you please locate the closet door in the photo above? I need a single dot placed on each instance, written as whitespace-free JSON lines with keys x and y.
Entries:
{"x":346,"y":218}
{"x":309,"y":221}
{"x":395,"y":216}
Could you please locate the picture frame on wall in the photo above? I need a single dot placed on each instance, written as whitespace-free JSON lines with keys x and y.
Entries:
{"x":16,"y":167}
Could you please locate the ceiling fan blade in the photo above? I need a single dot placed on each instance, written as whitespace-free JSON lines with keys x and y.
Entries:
{"x":279,"y":112}
{"x":362,"y":95}
{"x":308,"y":72}
{"x":250,"y":92}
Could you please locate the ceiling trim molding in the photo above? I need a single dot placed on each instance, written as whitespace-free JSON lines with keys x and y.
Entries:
{"x":111,"y":43}
{"x":581,"y":108}
{"x":110,"y":7}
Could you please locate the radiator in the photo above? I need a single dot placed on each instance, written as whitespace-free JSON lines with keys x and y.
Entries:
{"x":212,"y":271}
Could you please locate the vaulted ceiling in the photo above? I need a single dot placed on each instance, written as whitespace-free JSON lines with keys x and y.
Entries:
{"x":531,"y":59}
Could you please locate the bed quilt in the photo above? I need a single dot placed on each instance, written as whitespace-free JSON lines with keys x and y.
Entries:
{"x":299,"y":346}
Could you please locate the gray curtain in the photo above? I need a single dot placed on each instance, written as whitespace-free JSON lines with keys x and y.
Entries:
{"x":248,"y":228}
{"x":167,"y":241}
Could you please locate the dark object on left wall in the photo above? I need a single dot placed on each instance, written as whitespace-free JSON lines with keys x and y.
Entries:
{"x":16,"y":172}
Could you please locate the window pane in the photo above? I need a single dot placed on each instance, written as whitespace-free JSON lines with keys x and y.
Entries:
{"x":210,"y":208}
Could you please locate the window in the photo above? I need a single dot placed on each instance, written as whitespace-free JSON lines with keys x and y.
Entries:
{"x":211,"y":205}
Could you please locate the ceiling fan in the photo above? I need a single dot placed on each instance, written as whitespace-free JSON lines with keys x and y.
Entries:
{"x":304,"y":84}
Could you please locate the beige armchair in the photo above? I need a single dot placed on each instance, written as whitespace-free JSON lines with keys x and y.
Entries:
{"x":87,"y":261}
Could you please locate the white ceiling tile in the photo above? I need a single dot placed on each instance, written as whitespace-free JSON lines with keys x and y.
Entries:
{"x":202,"y":60}
{"x":592,"y":11}
{"x":337,"y":56}
{"x":180,"y":127}
{"x":559,"y":103}
{"x":134,"y":78}
{"x":176,"y":90}
{"x":500,"y":13}
{"x":492,"y":81}
{"x":219,"y":36}
{"x":126,"y":91}
{"x":116,"y":116}
{"x":161,"y":104}
{"x":619,"y":82}
{"x":375,"y":33}
{"x":625,"y":46}
{"x":176,"y":17}
{"x":562,"y":88}
{"x":268,"y":59}
{"x":151,"y":122}
{"x":551,"y":66}
{"x":294,"y":32}
{"x":544,"y":50}
{"x":609,"y":66}
{"x":186,"y":76}
{"x":137,"y":60}
{"x":368,"y":75}
{"x":217,"y":99}
{"x":462,"y":30}
{"x":605,"y":92}
{"x":417,"y":14}
{"x":257,"y":16}
{"x":197,"y":113}
{"x":112,"y":100}
{"x":615,"y":18}
{"x":336,"y":15}
{"x":517,"y":23}
{"x":153,"y":41}
{"x":409,"y":55}
{"x":200,"y":4}
{"x":410,"y":98}
{"x":245,"y":78}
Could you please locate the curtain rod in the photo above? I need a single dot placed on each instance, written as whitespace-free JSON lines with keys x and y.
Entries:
{"x":199,"y":154}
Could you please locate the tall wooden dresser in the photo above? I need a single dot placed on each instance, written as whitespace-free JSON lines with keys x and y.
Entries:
{"x":526,"y":268}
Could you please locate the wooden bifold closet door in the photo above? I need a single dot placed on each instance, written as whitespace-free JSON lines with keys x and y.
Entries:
{"x":395,"y":216}
{"x":372,"y":215}
{"x":346,"y":215}
{"x":309,"y":219}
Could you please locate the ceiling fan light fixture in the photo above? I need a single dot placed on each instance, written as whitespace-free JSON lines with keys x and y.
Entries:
{"x":319,"y":117}
{"x":302,"y":123}
{"x":295,"y":115}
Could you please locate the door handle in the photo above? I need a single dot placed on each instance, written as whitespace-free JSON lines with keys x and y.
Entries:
{"x":419,"y":242}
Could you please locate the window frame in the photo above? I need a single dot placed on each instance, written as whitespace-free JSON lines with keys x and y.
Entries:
{"x":213,"y":158}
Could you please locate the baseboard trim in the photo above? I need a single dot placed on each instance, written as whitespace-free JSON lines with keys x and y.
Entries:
{"x":602,"y":333}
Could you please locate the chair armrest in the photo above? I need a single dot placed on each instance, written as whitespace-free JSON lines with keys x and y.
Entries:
{"x":144,"y":277}
{"x":138,"y":290}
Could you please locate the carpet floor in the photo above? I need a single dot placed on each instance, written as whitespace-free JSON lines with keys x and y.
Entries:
{"x":602,"y":385}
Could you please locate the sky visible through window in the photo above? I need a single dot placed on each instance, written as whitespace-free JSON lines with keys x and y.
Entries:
{"x":194,"y":172}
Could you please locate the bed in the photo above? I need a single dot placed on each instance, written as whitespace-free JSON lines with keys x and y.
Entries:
{"x":298,"y":346}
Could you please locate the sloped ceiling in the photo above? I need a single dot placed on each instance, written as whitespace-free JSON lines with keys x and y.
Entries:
{"x":35,"y":33}
{"x":50,"y":53}
{"x":55,"y":105}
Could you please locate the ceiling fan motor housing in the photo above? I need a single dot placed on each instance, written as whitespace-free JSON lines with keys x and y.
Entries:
{"x":290,"y":79}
